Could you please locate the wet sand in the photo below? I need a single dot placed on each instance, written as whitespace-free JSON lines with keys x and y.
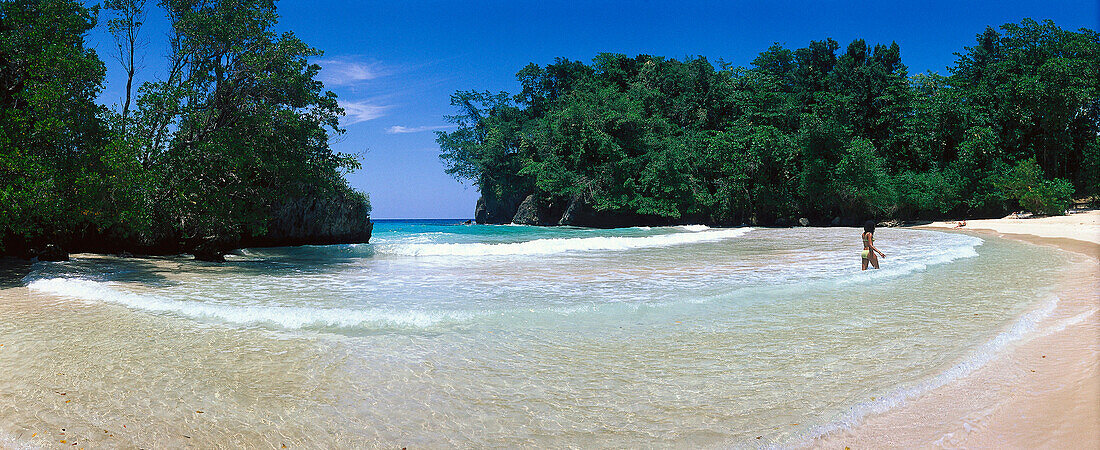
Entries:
{"x":155,"y":384}
{"x":1043,"y":393}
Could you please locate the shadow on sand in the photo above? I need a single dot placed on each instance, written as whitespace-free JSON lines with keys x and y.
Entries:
{"x":156,"y":271}
{"x":12,"y":272}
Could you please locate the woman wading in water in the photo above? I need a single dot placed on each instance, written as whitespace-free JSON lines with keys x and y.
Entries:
{"x":869,"y":249}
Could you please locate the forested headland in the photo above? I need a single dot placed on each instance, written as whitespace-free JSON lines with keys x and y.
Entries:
{"x":828,"y":134}
{"x":228,"y":147}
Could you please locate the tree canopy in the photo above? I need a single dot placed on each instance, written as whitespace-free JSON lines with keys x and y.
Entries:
{"x":819,"y":132}
{"x":201,"y":160}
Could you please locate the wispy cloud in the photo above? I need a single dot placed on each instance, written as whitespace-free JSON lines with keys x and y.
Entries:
{"x":398,"y":129}
{"x":348,"y":71}
{"x":361,"y":111}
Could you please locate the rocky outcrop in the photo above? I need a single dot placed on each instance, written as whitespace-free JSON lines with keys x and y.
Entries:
{"x":574,"y":212}
{"x":52,"y":252}
{"x":579,"y":213}
{"x":536,"y":211}
{"x":497,"y":208}
{"x":528,"y":212}
{"x":38,"y":250}
{"x":343,"y":218}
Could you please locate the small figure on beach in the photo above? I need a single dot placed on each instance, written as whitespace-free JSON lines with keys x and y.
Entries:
{"x":962,"y":223}
{"x":869,"y":249}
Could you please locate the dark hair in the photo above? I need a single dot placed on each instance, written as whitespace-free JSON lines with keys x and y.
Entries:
{"x":869,"y":226}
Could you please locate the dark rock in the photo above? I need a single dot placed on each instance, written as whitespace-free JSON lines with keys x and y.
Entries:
{"x":890,"y":223}
{"x":533,"y":211}
{"x":579,"y":214}
{"x":481,"y":212}
{"x":467,"y":222}
{"x":497,"y":207}
{"x":573,"y":211}
{"x":835,"y":222}
{"x":209,"y":254}
{"x":528,"y":212}
{"x":781,"y":222}
{"x":211,"y":248}
{"x":341,"y":218}
{"x":52,"y":252}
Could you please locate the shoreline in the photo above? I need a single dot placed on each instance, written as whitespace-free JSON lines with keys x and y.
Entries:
{"x":1024,"y":411}
{"x":1043,"y":391}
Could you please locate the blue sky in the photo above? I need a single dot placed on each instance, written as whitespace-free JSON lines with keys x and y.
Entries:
{"x":394,"y":64}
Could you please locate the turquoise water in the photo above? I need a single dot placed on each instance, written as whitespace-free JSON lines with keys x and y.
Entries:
{"x":472,"y":335}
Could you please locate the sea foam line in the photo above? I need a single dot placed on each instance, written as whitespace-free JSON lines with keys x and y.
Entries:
{"x":916,"y":262}
{"x":284,"y":316}
{"x":561,"y":245}
{"x":989,"y":351}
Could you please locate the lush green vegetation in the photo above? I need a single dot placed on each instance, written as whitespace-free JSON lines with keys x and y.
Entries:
{"x":814,"y":132}
{"x":199,"y":160}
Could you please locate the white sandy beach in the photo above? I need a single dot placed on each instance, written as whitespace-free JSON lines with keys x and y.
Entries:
{"x":1044,"y":393}
{"x":1082,"y":226}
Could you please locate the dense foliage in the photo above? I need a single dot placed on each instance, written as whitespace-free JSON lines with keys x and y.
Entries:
{"x":237,"y":126}
{"x":814,"y":132}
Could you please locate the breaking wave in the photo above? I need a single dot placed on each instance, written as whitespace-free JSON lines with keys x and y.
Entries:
{"x":553,"y":246}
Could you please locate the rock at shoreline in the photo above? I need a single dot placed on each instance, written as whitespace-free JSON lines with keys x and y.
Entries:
{"x":209,"y":254}
{"x":579,"y":213}
{"x":533,"y":211}
{"x":497,"y":208}
{"x":52,"y":253}
{"x":528,"y":212}
{"x":342,"y":218}
{"x":573,"y":211}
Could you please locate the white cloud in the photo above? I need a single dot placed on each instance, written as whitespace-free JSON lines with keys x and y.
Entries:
{"x":398,"y":129}
{"x":344,"y":72}
{"x":361,"y":111}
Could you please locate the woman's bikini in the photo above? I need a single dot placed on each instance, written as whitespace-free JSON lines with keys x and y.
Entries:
{"x":867,"y":239}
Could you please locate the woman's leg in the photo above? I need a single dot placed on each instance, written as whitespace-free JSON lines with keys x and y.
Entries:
{"x":864,"y":263}
{"x":874,"y":260}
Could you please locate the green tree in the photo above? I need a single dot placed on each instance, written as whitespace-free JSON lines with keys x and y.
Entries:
{"x":49,"y":125}
{"x":239,"y":124}
{"x":801,"y":133}
{"x":1025,"y":184}
{"x":861,"y":182}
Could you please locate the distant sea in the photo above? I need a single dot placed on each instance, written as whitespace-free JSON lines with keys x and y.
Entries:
{"x":444,"y":334}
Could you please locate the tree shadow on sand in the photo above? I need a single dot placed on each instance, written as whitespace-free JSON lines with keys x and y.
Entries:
{"x":13,"y":271}
{"x":156,"y":271}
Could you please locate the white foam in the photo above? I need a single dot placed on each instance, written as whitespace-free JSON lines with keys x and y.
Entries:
{"x":559,"y":245}
{"x":980,"y":357}
{"x":287,"y":317}
{"x":918,"y":259}
{"x":1066,"y":323}
{"x":694,"y":228}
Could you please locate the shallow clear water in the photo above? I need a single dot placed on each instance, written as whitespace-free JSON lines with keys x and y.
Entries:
{"x":438,"y":333}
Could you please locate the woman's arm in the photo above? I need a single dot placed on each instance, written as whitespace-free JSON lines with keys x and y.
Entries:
{"x":872,"y":244}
